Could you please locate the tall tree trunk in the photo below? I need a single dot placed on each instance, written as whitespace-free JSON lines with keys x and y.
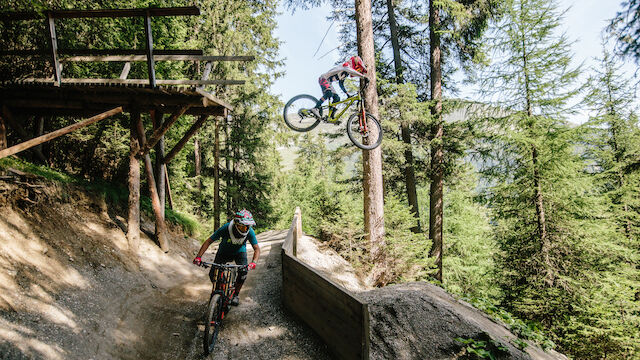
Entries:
{"x":409,"y":172}
{"x":39,"y":131}
{"x":133,"y":221}
{"x":372,"y":159}
{"x":216,"y":176}
{"x":437,"y":132}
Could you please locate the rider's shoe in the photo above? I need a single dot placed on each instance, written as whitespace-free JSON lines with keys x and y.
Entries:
{"x":235,"y":301}
{"x":316,"y":113}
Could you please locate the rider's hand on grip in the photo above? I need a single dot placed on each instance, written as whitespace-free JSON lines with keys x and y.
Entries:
{"x":251,"y":266}
{"x":197,"y":260}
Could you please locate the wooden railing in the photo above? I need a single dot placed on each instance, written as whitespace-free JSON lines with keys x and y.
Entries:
{"x":335,"y":314}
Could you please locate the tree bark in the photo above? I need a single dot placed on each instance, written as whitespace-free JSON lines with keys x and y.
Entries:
{"x":228,"y":167}
{"x":197,"y":161}
{"x":216,"y":176}
{"x":437,"y":132}
{"x":372,"y":159}
{"x":133,"y":221}
{"x":405,"y":132}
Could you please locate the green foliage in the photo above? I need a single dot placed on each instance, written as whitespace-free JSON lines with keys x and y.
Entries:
{"x":480,"y":349}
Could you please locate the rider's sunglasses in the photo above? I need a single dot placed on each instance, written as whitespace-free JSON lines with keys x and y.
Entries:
{"x":242,"y":227}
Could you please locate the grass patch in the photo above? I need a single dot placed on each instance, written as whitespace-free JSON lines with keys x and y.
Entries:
{"x":111,"y":193}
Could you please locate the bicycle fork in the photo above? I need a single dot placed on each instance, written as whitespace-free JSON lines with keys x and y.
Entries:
{"x":363,"y":118}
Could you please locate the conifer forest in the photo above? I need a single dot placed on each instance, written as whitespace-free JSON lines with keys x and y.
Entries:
{"x":504,"y":202}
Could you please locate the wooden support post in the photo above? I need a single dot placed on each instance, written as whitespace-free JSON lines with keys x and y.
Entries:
{"x":166,"y":173}
{"x":161,"y":228}
{"x":158,"y":133}
{"x":39,"y":131}
{"x":133,"y":221}
{"x":160,"y":161}
{"x":216,"y":176}
{"x":52,"y":135}
{"x":55,"y":63}
{"x":228,"y":166}
{"x":3,"y":134}
{"x":23,"y":133}
{"x":150,"y":64}
{"x":192,"y":130}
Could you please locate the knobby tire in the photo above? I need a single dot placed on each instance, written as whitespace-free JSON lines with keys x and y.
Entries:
{"x":356,"y":136}
{"x":211,"y":332}
{"x":291,"y":117}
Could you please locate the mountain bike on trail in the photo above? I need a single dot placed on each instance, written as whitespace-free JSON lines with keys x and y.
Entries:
{"x":220,"y":301}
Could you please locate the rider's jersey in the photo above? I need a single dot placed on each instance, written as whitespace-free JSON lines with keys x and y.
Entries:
{"x":230,"y":244}
{"x":340,"y":72}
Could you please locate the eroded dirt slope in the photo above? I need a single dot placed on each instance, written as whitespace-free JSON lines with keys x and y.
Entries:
{"x":71,"y":289}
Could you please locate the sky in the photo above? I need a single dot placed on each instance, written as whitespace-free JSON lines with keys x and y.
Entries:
{"x":301,"y":34}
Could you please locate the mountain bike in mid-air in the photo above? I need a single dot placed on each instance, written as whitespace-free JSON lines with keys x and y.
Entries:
{"x":220,"y":300}
{"x":298,"y":116}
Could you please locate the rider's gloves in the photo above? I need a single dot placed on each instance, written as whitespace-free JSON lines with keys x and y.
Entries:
{"x":251,"y":266}
{"x":197,"y":260}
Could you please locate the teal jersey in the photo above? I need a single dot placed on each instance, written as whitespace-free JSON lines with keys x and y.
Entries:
{"x":231,"y":245}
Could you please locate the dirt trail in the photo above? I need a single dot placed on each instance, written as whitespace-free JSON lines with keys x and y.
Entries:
{"x":70,"y":289}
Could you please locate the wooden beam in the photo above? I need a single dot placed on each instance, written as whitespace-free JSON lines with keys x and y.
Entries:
{"x":179,"y":82}
{"x":158,"y":133}
{"x":192,"y":130}
{"x":112,"y":13}
{"x":125,"y":71}
{"x":133,"y":221}
{"x":161,"y":228}
{"x":14,"y":124}
{"x":103,"y":52}
{"x":54,"y":49}
{"x":52,"y":135}
{"x":160,"y":176}
{"x":151,"y":67}
{"x":156,"y":56}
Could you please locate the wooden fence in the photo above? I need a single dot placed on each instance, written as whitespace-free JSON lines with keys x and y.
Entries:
{"x":336,"y":315}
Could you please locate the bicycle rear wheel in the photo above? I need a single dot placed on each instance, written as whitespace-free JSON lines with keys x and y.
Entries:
{"x":213,"y":322}
{"x":297,"y":114}
{"x":365,"y":140}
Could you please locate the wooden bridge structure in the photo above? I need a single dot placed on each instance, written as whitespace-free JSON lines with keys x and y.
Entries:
{"x":100,"y":99}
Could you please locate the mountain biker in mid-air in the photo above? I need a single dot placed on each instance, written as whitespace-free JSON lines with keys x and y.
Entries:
{"x":353,"y":67}
{"x":234,"y":236}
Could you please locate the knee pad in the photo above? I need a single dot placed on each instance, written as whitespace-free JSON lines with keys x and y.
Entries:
{"x":242,"y":275}
{"x":336,"y":98}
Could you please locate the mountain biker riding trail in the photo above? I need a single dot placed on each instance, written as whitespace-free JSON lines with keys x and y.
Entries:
{"x":233,"y":236}
{"x":353,"y":67}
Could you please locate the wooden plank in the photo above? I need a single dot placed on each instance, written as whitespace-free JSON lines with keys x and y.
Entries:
{"x":160,"y":176}
{"x":192,"y":130}
{"x":54,"y":49}
{"x":166,"y":173}
{"x":103,"y":52}
{"x":133,"y":220}
{"x":156,"y":57}
{"x":3,"y":134}
{"x":185,"y":82}
{"x":52,"y":135}
{"x":335,"y":315}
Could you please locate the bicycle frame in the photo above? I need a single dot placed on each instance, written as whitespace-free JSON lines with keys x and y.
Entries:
{"x":348,"y":101}
{"x":225,"y":283}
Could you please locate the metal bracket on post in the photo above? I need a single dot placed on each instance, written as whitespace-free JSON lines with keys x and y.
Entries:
{"x":150,"y":64}
{"x":54,"y":50}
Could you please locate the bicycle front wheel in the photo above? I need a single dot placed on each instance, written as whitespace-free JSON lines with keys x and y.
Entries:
{"x":366,"y":138}
{"x":297,"y":113}
{"x":213,"y":322}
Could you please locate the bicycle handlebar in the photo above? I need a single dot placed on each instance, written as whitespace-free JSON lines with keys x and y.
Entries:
{"x":207,"y":265}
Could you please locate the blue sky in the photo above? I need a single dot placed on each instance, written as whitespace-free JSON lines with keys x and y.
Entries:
{"x":301,"y":33}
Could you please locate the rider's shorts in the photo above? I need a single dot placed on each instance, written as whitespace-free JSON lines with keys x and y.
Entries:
{"x":239,"y":258}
